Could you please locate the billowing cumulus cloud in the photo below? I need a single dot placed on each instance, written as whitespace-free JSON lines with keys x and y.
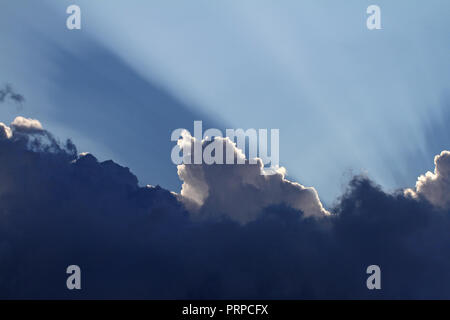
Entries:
{"x":27,"y":124}
{"x":59,"y":208}
{"x":240,"y":191}
{"x":435,"y":186}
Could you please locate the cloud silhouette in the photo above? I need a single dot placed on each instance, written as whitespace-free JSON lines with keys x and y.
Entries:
{"x":58,"y":208}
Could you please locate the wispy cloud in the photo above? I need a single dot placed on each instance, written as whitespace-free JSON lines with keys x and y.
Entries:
{"x":8,"y":93}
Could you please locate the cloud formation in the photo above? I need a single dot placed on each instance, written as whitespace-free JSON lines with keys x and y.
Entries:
{"x":435,"y":186}
{"x":240,"y":192}
{"x":30,"y":135}
{"x":26,"y":124}
{"x":7,"y":93}
{"x":59,"y":208}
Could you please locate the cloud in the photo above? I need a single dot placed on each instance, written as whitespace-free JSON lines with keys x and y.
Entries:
{"x":5,"y":131}
{"x":7,"y":93}
{"x":21,"y":123}
{"x":59,"y":208}
{"x":30,"y":135}
{"x":240,"y":192}
{"x":435,"y":186}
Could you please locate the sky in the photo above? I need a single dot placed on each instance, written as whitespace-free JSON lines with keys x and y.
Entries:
{"x":311,"y":69}
{"x":85,"y":149}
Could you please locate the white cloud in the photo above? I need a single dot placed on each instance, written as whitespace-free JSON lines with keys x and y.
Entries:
{"x":435,"y":186}
{"x":5,"y":131}
{"x":241,"y":191}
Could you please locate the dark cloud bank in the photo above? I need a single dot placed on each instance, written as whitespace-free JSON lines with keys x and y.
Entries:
{"x":58,"y":208}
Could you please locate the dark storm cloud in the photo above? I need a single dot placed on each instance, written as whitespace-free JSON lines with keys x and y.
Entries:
{"x":58,"y":209}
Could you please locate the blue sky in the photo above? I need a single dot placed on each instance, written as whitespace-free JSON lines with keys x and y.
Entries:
{"x":345,"y":99}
